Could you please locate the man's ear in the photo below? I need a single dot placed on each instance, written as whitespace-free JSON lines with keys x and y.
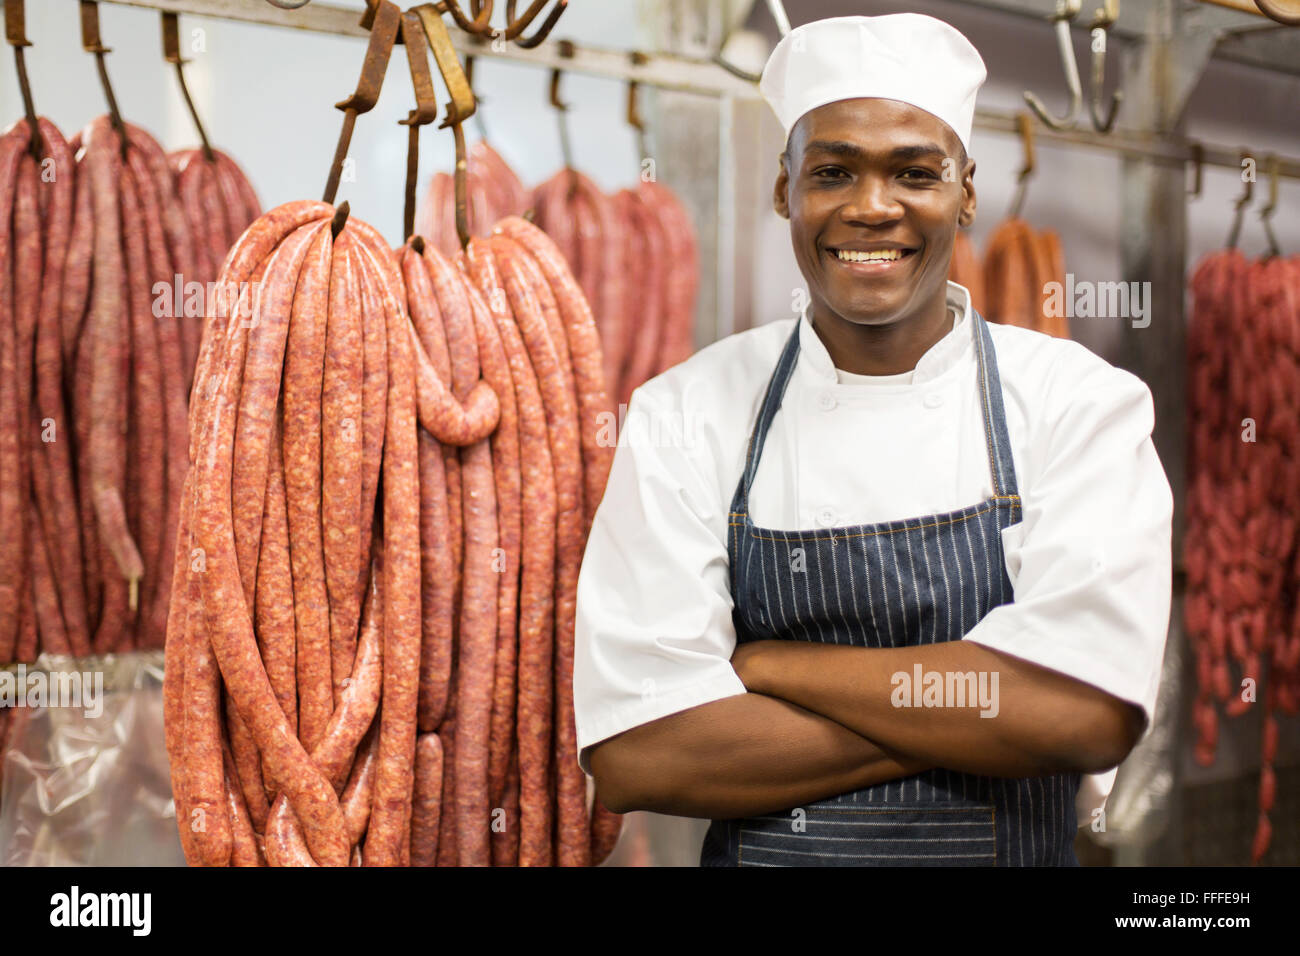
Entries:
{"x":780,"y":192}
{"x":967,"y":215}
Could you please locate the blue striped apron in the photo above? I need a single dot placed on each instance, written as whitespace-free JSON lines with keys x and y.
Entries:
{"x":913,"y":581}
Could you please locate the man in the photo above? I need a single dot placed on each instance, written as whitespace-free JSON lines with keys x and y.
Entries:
{"x":898,"y":581}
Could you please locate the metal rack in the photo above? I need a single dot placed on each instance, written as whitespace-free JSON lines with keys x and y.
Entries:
{"x":669,"y":71}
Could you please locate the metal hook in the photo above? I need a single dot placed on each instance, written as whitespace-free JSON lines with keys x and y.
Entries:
{"x":382,"y":20}
{"x":562,"y":116}
{"x":476,"y":22}
{"x":514,"y":27}
{"x":91,"y":43}
{"x":1102,"y":20}
{"x":1025,"y":125}
{"x":1240,"y":207}
{"x":1198,"y":162}
{"x":1275,"y":11}
{"x":633,"y":110}
{"x":16,"y":34}
{"x":425,"y":112}
{"x":1266,"y":214}
{"x":172,"y":54}
{"x":1066,"y":10}
{"x":478,"y":114}
{"x":461,"y":107}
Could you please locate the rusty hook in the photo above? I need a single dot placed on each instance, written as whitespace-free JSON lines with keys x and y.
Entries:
{"x":16,"y":34}
{"x":633,"y":106}
{"x":382,"y":20}
{"x":1102,"y":20}
{"x":562,"y":116}
{"x":1241,"y":203}
{"x":1025,"y":126}
{"x":461,"y":107}
{"x":91,"y":43}
{"x":425,"y":112}
{"x":1066,"y":10}
{"x":172,"y":54}
{"x":476,"y":22}
{"x":1198,"y":163}
{"x":1277,"y":10}
{"x":514,"y":27}
{"x":1266,"y":214}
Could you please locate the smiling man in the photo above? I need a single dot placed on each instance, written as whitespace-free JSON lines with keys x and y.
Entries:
{"x":900,"y":595}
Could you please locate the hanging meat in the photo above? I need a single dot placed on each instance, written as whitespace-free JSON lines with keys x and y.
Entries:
{"x":493,"y":191}
{"x":1019,"y":262}
{"x":1241,"y":610}
{"x":219,"y":203}
{"x":637,"y":259}
{"x":966,"y":271}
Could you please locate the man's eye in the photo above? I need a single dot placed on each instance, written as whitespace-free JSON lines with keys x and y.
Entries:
{"x":828,"y":172}
{"x":918,"y":173}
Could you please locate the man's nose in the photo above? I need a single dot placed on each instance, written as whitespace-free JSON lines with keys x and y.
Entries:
{"x":872,"y":202}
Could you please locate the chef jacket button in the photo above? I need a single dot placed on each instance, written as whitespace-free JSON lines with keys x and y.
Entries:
{"x":826,"y":517}
{"x":933,"y":400}
{"x":827,"y":401}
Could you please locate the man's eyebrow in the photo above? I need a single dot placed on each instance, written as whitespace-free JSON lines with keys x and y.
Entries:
{"x":854,"y":151}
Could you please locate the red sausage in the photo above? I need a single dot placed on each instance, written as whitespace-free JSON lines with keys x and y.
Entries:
{"x":342,"y":461}
{"x":427,"y":801}
{"x":303,"y":369}
{"x":390,"y":811}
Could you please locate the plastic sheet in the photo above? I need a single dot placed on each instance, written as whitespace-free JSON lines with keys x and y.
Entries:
{"x":85,"y":777}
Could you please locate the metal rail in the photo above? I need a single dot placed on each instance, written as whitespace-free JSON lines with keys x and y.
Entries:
{"x":689,"y":75}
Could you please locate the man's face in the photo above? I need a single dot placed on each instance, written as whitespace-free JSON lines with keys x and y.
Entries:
{"x":868,"y":176}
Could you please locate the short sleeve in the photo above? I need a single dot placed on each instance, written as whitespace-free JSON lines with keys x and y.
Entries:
{"x":1091,"y":561}
{"x":654,"y":633}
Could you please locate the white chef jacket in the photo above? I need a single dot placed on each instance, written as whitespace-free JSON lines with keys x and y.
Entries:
{"x":1090,"y":562}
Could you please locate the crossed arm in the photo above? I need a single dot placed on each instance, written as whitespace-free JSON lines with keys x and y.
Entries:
{"x":818,"y":720}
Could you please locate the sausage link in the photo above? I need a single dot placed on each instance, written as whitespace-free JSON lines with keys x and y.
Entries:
{"x":180,"y":239}
{"x":390,"y":812}
{"x":76,"y":270}
{"x":562,"y":426}
{"x":436,"y":580}
{"x":202,"y":747}
{"x":427,"y":801}
{"x":53,"y":451}
{"x":361,"y":786}
{"x":109,"y":333}
{"x":498,"y":336}
{"x":592,"y":391}
{"x":243,"y":844}
{"x":342,"y":462}
{"x":505,"y":837}
{"x":148,"y":450}
{"x":303,"y":370}
{"x":180,"y":618}
{"x":311,"y":795}
{"x":45,"y":595}
{"x":174,"y":383}
{"x":248,"y":767}
{"x":448,"y":819}
{"x":12,"y":504}
{"x":647,"y":246}
{"x":335,"y":753}
{"x":276,"y":636}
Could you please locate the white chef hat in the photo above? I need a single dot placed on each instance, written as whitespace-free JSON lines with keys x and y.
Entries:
{"x":909,"y":57}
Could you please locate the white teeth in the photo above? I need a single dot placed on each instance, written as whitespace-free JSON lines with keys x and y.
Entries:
{"x":882,"y":255}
